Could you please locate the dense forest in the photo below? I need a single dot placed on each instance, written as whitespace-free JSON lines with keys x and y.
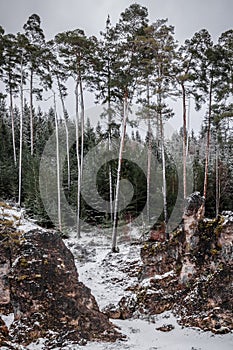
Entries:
{"x":133,"y":62}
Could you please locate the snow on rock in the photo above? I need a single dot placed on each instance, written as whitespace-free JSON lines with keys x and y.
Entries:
{"x":13,"y":216}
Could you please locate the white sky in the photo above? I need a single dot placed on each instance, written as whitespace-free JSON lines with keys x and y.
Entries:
{"x":187,"y":16}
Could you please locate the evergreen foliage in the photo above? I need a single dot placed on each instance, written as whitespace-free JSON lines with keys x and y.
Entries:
{"x":132,"y":62}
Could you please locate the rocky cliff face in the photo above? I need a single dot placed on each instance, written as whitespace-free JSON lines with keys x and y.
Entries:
{"x":39,"y":283}
{"x":190,"y":274}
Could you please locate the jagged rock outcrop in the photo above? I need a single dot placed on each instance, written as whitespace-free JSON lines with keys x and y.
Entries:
{"x":39,"y":282}
{"x":190,"y":274}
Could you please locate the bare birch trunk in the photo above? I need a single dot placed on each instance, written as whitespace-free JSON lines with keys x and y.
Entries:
{"x":115,"y":217}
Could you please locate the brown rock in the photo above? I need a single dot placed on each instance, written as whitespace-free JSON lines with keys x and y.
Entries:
{"x":46,"y":294}
{"x":165,"y":328}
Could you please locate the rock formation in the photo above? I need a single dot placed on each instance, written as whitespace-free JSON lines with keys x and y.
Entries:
{"x":39,"y":283}
{"x":191,"y":274}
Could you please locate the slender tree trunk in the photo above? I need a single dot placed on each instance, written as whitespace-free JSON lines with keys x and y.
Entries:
{"x":115,"y":217}
{"x":149,"y":154}
{"x":31,"y":113}
{"x":12,"y":127}
{"x":217,"y":195}
{"x":67,"y":154}
{"x":67,"y":133}
{"x":110,"y":181}
{"x":82,"y":125}
{"x":184,"y":141}
{"x":208,"y":142}
{"x":58,"y":166}
{"x":21,"y":136}
{"x":78,"y":160}
{"x":149,"y":175}
{"x":164,"y":176}
{"x":110,"y":142}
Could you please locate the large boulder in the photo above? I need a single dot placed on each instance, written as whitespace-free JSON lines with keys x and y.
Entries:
{"x":41,"y":284}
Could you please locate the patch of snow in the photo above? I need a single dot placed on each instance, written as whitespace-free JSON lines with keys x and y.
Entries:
{"x":8,"y":319}
{"x":228,"y":216}
{"x":166,"y":274}
{"x":38,"y":345}
{"x":142,"y":335}
{"x":17,"y":217}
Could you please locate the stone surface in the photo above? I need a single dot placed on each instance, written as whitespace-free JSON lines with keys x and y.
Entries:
{"x":191,"y":274}
{"x":46,"y":296}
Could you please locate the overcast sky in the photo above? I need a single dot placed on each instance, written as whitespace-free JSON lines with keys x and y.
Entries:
{"x":187,"y":16}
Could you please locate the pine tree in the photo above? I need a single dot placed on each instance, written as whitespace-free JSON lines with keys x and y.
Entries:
{"x":77,"y":52}
{"x":35,"y":48}
{"x":11,"y":78}
{"x":126,"y":70}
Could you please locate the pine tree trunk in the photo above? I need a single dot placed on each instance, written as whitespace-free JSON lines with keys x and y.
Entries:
{"x":149,"y":176}
{"x":208,"y":143}
{"x":110,"y":182}
{"x":31,"y":114}
{"x":184,"y":141}
{"x":78,"y":160}
{"x":82,"y":125}
{"x":110,"y":143}
{"x":115,"y":217}
{"x":149,"y":154}
{"x":164,"y":176}
{"x":58,"y":167}
{"x":217,"y":195}
{"x":67,"y":154}
{"x":12,"y":126}
{"x":109,"y":167}
{"x":67,"y":133}
{"x":21,"y":136}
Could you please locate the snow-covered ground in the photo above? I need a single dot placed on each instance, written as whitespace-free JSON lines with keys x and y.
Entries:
{"x":106,"y":275}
